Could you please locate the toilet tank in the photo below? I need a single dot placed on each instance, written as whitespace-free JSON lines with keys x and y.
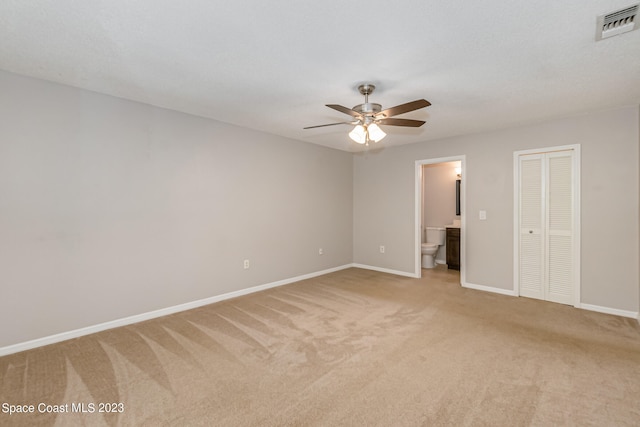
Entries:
{"x":435,"y":235}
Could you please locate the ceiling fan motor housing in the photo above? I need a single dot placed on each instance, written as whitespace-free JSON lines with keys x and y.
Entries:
{"x":368,"y":108}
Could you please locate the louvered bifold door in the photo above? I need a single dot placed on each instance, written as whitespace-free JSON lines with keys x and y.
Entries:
{"x":531,"y":218}
{"x":559,"y":230}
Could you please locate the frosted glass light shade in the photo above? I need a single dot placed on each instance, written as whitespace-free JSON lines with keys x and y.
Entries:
{"x":359,"y":134}
{"x":375,"y":132}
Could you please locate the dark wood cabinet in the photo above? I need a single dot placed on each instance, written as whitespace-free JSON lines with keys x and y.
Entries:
{"x":453,"y":248}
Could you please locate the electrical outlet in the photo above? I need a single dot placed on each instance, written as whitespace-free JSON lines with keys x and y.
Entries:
{"x":381,"y":249}
{"x":246,"y":264}
{"x":320,"y":251}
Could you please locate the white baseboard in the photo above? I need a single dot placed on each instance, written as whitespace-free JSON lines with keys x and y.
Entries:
{"x":509,"y":292}
{"x":590,"y":307}
{"x":607,"y":310}
{"x":385,"y":270}
{"x":52,"y":339}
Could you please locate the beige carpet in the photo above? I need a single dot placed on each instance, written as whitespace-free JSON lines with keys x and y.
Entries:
{"x":356,"y":348}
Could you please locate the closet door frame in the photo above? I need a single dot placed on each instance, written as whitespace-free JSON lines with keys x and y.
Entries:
{"x":575,"y":148}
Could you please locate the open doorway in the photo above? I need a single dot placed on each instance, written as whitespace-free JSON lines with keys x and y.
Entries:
{"x":439,"y":205}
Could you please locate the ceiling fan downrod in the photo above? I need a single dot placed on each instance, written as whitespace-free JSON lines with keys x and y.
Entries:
{"x":366,"y":89}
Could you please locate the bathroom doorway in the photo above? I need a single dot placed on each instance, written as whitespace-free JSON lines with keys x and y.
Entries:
{"x":441,"y":181}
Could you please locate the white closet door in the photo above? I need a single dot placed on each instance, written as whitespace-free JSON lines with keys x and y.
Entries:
{"x":560,"y":228}
{"x":532,"y":208}
{"x":546,"y":222}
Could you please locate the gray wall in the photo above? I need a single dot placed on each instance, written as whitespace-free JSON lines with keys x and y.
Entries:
{"x":110,"y":208}
{"x":384,"y":202}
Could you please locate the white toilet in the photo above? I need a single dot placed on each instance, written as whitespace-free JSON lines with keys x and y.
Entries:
{"x":435,"y":239}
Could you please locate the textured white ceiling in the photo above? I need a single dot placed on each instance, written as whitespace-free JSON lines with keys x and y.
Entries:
{"x":272,"y":65}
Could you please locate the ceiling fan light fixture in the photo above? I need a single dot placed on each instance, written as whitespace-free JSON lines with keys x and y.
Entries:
{"x":359,"y":134}
{"x":375,"y":133}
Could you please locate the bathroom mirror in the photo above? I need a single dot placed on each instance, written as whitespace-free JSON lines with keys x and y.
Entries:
{"x":457,"y":197}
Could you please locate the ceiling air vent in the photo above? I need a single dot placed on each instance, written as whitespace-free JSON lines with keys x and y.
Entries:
{"x":618,"y":22}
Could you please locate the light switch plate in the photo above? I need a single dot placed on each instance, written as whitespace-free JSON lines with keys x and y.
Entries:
{"x":483,"y":215}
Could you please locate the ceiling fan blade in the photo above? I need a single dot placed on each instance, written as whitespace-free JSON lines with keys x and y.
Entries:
{"x":404,"y":108}
{"x":345,"y":110}
{"x":401,"y":122}
{"x":329,"y":124}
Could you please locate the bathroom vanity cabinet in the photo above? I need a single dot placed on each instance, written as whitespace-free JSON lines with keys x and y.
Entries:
{"x":453,"y":248}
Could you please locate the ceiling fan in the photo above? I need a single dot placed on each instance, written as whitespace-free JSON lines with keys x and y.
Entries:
{"x":369,"y":115}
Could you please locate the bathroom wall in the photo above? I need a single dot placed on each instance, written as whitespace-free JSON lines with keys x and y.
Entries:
{"x":111,"y":208}
{"x":384,"y":194}
{"x":439,"y":198}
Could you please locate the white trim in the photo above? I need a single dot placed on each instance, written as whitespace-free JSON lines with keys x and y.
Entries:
{"x":417,"y":242}
{"x":485,"y":288}
{"x":52,"y":339}
{"x":577,"y":227}
{"x":576,"y":214}
{"x":589,"y":307}
{"x":544,"y":150}
{"x":516,"y":222}
{"x":607,"y":310}
{"x":385,"y":270}
{"x":418,"y":211}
